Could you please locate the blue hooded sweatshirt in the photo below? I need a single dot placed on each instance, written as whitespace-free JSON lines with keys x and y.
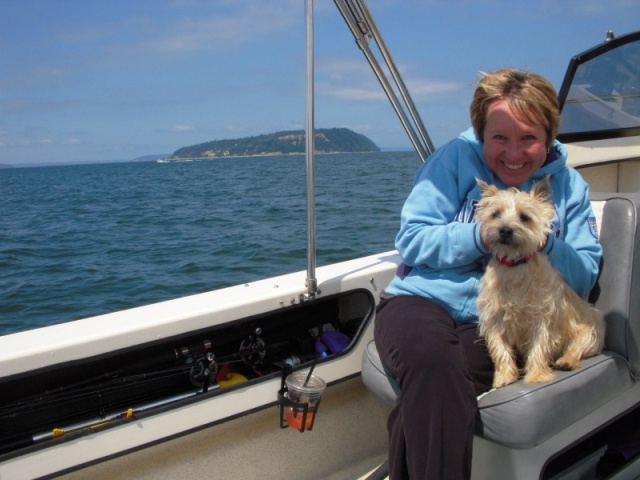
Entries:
{"x":439,"y":240}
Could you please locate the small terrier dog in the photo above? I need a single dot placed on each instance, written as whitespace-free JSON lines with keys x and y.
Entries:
{"x":527,"y":311}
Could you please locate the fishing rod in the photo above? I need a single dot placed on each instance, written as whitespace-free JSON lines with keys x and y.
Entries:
{"x":201,"y":365}
{"x":20,"y":441}
{"x":98,"y":422}
{"x":158,"y":379}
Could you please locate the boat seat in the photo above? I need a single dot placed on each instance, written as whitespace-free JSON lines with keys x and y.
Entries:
{"x":526,"y":425}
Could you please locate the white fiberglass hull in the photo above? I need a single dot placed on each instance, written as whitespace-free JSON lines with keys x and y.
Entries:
{"x":22,"y":352}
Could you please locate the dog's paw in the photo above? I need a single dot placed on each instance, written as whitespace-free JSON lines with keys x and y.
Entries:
{"x":539,"y":376}
{"x":502,"y":379}
{"x":566,"y":364}
{"x":564,"y":367}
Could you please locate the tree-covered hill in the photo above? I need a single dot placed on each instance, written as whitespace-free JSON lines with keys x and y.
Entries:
{"x":327,"y":140}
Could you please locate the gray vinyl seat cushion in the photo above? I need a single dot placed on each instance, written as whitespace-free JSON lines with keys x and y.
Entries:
{"x":550,"y":407}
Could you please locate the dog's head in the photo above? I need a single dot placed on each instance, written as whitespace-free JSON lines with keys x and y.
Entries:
{"x":513,"y":224}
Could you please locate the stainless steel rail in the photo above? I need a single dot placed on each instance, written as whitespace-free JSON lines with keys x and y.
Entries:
{"x":312,"y":282}
{"x":359,"y":19}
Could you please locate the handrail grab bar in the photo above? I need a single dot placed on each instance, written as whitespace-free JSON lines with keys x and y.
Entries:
{"x":362,"y":26}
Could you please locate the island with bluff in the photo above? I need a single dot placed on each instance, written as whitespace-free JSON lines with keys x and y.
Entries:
{"x":326,"y":140}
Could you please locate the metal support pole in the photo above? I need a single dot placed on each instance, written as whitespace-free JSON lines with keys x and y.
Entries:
{"x":312,"y":282}
{"x":361,"y":23}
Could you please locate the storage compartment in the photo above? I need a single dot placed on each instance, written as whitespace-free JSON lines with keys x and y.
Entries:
{"x":103,"y":390}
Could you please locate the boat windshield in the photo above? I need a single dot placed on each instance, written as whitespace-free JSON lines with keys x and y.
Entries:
{"x":600,"y":95}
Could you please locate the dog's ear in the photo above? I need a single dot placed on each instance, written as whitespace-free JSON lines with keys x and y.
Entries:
{"x":486,"y":190}
{"x":542,"y":188}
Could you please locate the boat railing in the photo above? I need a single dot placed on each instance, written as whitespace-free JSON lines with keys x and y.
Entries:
{"x":361,"y":23}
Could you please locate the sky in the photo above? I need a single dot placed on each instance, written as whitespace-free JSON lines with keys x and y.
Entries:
{"x":103,"y":80}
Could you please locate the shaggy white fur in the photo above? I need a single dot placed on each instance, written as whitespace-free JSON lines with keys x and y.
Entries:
{"x":527,"y":310}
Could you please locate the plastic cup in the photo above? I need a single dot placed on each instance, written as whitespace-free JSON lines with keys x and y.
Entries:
{"x":303,"y":393}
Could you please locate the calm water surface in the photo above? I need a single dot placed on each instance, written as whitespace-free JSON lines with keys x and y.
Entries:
{"x":83,"y":240}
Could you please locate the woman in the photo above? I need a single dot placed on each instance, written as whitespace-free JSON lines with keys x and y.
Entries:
{"x":426,"y":324}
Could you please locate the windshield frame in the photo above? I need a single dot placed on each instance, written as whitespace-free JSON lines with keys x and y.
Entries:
{"x":612,"y":43}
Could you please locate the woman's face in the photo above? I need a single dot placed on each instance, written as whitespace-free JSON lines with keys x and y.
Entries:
{"x":513,"y":149}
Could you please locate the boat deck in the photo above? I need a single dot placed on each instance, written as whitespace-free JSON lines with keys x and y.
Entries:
{"x":349,"y":438}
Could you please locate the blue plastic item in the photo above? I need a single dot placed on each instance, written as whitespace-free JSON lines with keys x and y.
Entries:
{"x":331,"y":342}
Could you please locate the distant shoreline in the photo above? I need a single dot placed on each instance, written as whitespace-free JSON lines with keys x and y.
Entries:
{"x":275,"y":154}
{"x":8,"y":166}
{"x":337,"y":140}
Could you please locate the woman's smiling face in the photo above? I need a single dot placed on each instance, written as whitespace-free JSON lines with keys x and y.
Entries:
{"x":514,"y":150}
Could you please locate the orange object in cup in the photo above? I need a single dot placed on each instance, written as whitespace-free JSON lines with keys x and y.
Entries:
{"x":294,"y":419}
{"x":303,"y":390}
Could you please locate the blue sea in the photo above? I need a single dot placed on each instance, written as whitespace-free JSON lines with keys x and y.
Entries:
{"x":84,"y":240}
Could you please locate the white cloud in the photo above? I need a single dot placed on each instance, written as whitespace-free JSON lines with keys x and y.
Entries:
{"x":419,"y":89}
{"x":182,"y":128}
{"x":352,"y":93}
{"x":354,"y":80}
{"x":227,"y":29}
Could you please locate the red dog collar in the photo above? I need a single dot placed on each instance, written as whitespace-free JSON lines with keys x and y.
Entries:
{"x":512,"y":263}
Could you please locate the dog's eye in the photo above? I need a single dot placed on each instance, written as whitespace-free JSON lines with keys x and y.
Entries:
{"x":525,"y":218}
{"x":496,"y":214}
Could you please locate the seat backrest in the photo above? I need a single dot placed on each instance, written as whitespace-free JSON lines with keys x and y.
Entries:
{"x":619,"y":282}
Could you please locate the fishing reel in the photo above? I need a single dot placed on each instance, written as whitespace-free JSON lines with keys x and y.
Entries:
{"x":253,"y":349}
{"x":203,"y":371}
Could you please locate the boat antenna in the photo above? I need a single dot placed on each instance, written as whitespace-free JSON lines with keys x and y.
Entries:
{"x":362,"y":26}
{"x":312,"y":282}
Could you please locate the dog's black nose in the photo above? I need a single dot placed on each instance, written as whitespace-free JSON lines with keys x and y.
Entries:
{"x":506,"y":234}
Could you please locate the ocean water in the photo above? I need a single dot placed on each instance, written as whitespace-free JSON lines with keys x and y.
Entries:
{"x":83,"y":240}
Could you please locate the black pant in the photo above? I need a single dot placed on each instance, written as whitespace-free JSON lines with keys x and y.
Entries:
{"x":441,"y":368}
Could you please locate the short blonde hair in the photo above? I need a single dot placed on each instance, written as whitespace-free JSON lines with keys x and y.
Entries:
{"x":531,"y":96}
